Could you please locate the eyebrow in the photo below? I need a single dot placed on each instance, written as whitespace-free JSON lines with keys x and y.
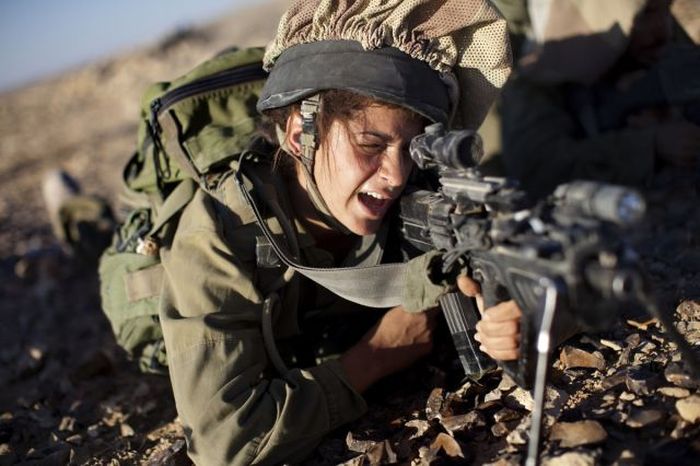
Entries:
{"x":385,"y":136}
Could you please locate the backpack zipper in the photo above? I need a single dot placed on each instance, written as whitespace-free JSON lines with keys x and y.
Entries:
{"x":221,"y":80}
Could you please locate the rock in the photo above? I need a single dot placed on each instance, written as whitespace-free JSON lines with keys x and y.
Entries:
{"x":674,"y":392}
{"x":689,"y":408}
{"x":689,"y":311}
{"x":641,"y":381}
{"x":572,"y":357}
{"x":519,"y":435}
{"x":522,"y":398}
{"x":76,"y":439}
{"x":359,"y":446}
{"x":675,"y":374}
{"x":627,"y":396}
{"x":67,"y":424}
{"x":463,"y":421}
{"x":572,"y":458}
{"x":30,"y":362}
{"x":447,"y":444}
{"x":633,"y":340}
{"x":420,"y":425}
{"x":505,"y":415}
{"x":644,"y":325}
{"x":638,"y":419}
{"x":613,"y":381}
{"x":573,"y":434}
{"x":506,"y":384}
{"x":611,"y":344}
{"x":93,"y":431}
{"x":493,"y":395}
{"x":554,"y":400}
{"x":126,"y":430}
{"x":499,"y":429}
{"x":434,"y":403}
{"x":174,"y":455}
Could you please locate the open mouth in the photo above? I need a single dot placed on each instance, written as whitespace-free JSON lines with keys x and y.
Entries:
{"x":374,"y":202}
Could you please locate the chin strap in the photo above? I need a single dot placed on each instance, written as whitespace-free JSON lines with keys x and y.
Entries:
{"x":309,"y":143}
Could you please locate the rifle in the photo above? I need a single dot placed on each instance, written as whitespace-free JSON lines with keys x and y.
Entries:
{"x":563,"y":259}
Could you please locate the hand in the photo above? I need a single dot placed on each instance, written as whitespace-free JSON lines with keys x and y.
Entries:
{"x":394,"y":343}
{"x":678,"y":143}
{"x":498,"y":331}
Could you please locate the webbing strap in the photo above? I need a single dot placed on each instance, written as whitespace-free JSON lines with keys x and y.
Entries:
{"x":181,"y":195}
{"x":373,"y":286}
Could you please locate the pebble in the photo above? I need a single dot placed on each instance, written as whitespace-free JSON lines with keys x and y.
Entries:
{"x":572,"y":357}
{"x":76,"y":439}
{"x":499,"y":429}
{"x":674,"y":392}
{"x":126,"y":430}
{"x":571,"y":458}
{"x":610,"y":344}
{"x":643,"y":418}
{"x":448,"y":444}
{"x":420,"y":425}
{"x":519,"y":435}
{"x":627,"y":396}
{"x":613,"y":381}
{"x":463,"y":421}
{"x":67,"y":424}
{"x":573,"y":434}
{"x":505,"y":415}
{"x":689,"y":408}
{"x":675,"y":374}
{"x":641,"y":381}
{"x":434,"y":403}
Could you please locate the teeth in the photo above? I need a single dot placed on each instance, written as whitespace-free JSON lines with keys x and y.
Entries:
{"x":374,"y":195}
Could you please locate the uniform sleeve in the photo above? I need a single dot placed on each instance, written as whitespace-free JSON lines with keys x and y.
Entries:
{"x":540,"y":146}
{"x":235,"y":408}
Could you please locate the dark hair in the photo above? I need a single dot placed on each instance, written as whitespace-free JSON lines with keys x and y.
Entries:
{"x":336,"y":105}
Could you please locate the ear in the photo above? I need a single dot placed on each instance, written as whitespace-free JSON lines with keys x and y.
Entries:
{"x":293,"y":133}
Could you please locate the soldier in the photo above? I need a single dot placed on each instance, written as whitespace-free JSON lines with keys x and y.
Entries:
{"x":590,"y":99}
{"x":259,"y":380}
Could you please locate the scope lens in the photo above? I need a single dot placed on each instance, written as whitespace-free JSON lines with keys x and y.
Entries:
{"x":630,"y":207}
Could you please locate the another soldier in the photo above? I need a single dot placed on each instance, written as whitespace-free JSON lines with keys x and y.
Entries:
{"x":592,"y":99}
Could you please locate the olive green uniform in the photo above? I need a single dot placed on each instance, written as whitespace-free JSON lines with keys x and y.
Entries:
{"x":235,"y":406}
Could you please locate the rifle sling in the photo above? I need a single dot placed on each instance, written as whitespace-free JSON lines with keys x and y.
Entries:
{"x":373,"y":286}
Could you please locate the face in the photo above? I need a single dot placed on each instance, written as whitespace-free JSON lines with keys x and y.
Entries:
{"x":364,"y":164}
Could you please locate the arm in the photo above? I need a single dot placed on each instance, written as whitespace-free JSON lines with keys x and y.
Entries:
{"x":235,"y":408}
{"x":542,"y":149}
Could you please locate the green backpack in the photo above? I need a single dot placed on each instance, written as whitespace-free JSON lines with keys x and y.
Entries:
{"x":191,"y":129}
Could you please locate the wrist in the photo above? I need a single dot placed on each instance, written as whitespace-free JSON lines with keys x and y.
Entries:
{"x":361,"y":366}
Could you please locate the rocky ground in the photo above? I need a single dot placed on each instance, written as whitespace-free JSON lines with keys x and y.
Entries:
{"x":68,"y":394}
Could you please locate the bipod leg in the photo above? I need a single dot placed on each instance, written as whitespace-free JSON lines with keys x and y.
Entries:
{"x":544,"y":349}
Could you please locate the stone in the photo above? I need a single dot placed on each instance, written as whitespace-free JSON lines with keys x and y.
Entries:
{"x":573,"y":434}
{"x":420,"y":425}
{"x":499,"y":429}
{"x":126,"y":430}
{"x":677,"y":376}
{"x":613,"y":381}
{"x":447,"y":444}
{"x":627,"y":396}
{"x":505,"y":415}
{"x":689,"y":408}
{"x":493,"y":395}
{"x":67,"y":424}
{"x":633,"y":340}
{"x":571,"y":458}
{"x":674,"y":392}
{"x":644,"y":325}
{"x":641,"y":381}
{"x":611,"y":344}
{"x":519,"y":435}
{"x":572,"y":357}
{"x":506,"y":383}
{"x":466,"y":421}
{"x":689,"y":310}
{"x":640,"y":418}
{"x":356,"y":445}
{"x":76,"y":439}
{"x":434,"y":403}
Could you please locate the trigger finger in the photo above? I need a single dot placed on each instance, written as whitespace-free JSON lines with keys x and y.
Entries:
{"x":468,"y":286}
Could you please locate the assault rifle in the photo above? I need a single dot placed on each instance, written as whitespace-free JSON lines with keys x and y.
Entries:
{"x":563,"y":260}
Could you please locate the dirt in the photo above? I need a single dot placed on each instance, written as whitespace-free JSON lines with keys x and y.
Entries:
{"x":70,"y":395}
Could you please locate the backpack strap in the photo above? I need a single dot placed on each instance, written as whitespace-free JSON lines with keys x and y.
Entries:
{"x":375,"y":286}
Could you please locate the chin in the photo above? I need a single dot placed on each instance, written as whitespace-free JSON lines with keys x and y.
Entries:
{"x":363,"y":228}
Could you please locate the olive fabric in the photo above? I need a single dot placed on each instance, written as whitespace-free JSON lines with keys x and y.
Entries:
{"x":237,"y":408}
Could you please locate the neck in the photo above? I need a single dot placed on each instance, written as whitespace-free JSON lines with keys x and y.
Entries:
{"x":328,"y":238}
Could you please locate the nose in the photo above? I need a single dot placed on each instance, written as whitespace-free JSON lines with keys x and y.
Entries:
{"x":394,"y":168}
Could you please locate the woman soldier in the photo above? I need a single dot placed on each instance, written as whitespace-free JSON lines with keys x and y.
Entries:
{"x":351,"y":84}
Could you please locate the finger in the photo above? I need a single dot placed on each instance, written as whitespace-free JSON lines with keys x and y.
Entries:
{"x":507,"y":343}
{"x":502,"y":355}
{"x":468,"y":286}
{"x":507,"y":310}
{"x":498,"y":329}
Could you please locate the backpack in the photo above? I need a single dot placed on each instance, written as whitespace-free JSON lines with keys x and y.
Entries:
{"x":190,"y":130}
